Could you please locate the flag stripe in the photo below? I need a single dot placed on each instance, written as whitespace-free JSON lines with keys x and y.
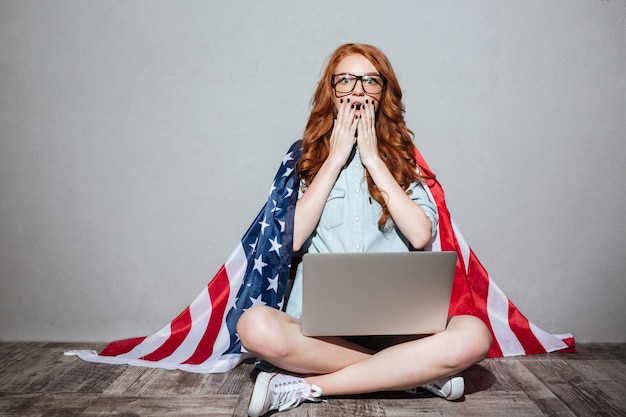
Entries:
{"x":200,"y":311}
{"x":180,"y":328}
{"x":122,"y":347}
{"x":498,"y":312}
{"x":219,"y":292}
{"x":523,"y":331}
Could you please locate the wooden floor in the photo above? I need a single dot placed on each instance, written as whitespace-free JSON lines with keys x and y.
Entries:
{"x":36,"y":379}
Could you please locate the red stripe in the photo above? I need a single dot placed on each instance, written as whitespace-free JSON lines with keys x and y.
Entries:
{"x":121,"y":347}
{"x":219,"y":291}
{"x":478,"y":283}
{"x":521,"y":327}
{"x":180,"y":328}
{"x":571,"y":343}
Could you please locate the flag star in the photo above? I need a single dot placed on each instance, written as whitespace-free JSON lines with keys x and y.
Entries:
{"x":282,"y":226}
{"x":276,"y":208}
{"x":275,"y":246}
{"x":280,"y":305}
{"x":287,"y":172}
{"x":273,"y":284}
{"x":259,"y":264}
{"x":289,"y":192}
{"x":287,"y":158}
{"x":253,"y":245}
{"x":263,"y":225}
{"x":272,"y":188}
{"x":257,"y":301}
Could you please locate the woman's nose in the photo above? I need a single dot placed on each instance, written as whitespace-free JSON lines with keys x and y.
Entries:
{"x":358,"y":88}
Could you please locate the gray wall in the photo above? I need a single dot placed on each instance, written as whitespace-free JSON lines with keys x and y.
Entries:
{"x":139,"y":139}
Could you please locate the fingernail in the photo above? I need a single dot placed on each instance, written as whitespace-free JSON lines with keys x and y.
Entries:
{"x":341,"y":100}
{"x":366,"y":101}
{"x":348,"y":100}
{"x":352,"y":106}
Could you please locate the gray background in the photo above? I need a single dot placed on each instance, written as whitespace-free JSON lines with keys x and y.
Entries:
{"x":139,"y":140}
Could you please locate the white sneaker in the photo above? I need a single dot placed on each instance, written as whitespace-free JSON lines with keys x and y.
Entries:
{"x":450,"y":387}
{"x":275,"y":391}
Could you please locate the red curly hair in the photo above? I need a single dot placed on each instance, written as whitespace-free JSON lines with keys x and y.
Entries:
{"x":395,"y":139}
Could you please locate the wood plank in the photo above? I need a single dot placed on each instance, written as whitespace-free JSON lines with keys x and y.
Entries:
{"x":520,"y":378}
{"x":38,"y":405}
{"x":590,"y":387}
{"x":31,"y":368}
{"x":83,"y":377}
{"x":162,"y":406}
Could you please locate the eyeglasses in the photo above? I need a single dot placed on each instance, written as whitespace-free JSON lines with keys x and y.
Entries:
{"x":345,"y":83}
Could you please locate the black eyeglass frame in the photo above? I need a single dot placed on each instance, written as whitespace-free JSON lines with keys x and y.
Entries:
{"x":358,"y":78}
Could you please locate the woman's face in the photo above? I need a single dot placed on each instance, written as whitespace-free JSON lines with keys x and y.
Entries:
{"x":370,"y":87}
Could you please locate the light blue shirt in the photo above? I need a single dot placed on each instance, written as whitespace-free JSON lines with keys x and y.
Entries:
{"x":349,"y":223}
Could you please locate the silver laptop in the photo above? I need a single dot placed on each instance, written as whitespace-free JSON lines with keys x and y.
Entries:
{"x":351,"y":294}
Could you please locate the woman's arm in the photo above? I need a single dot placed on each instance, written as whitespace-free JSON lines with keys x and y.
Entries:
{"x":406,"y":214}
{"x":310,"y":206}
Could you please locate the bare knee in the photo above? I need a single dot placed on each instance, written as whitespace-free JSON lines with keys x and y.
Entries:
{"x":253,"y":326}
{"x":471,"y":340}
{"x":259,"y":329}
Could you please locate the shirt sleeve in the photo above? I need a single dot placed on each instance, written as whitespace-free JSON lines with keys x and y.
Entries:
{"x":420,"y":196}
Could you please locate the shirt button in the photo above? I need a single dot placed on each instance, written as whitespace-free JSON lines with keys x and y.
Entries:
{"x":358,"y":190}
{"x":357,"y":218}
{"x":357,"y":247}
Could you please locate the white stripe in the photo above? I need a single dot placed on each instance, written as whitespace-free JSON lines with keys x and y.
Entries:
{"x":550,"y":342}
{"x":463,"y":246}
{"x":236,"y":266}
{"x":218,"y":365}
{"x":498,"y":312}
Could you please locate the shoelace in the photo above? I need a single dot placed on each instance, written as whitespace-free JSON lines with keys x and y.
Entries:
{"x":290,"y":394}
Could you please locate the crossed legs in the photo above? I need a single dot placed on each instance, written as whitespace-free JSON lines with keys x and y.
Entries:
{"x":340,"y":367}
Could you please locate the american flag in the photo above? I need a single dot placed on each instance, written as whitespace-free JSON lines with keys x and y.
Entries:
{"x":203,"y":337}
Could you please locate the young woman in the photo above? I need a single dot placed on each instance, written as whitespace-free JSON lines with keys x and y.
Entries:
{"x":360,"y":192}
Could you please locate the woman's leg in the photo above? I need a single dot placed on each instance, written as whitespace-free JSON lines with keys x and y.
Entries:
{"x":465,"y":342}
{"x":276,"y":337}
{"x":339,"y":367}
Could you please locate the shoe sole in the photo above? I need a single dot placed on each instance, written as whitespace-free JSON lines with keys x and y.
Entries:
{"x":259,"y":394}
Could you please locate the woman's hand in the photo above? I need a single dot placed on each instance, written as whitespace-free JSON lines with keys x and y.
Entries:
{"x":342,"y":138}
{"x":366,"y":140}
